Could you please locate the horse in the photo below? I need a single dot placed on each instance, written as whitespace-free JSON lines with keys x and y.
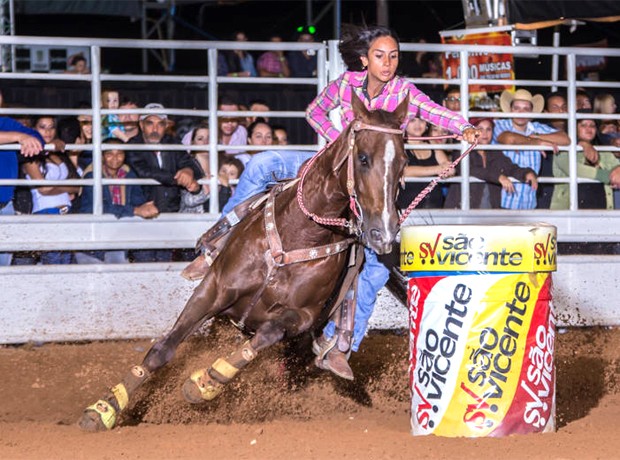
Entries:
{"x":276,"y":284}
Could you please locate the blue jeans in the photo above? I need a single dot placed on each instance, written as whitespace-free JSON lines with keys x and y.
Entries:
{"x":263,"y":169}
{"x":258,"y":174}
{"x":6,"y":257}
{"x":372,"y":278}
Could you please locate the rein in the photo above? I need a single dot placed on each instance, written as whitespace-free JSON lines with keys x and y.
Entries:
{"x":354,"y":225}
{"x":442,"y":175}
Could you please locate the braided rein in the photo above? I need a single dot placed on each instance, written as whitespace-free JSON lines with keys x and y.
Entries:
{"x":442,"y":175}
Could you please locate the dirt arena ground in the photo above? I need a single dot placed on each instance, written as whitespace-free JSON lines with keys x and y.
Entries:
{"x":282,"y":407}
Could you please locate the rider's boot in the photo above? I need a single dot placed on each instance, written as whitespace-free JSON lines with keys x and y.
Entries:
{"x":333,"y":354}
{"x":209,"y":245}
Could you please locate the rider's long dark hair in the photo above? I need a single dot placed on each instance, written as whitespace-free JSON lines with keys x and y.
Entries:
{"x":356,"y":40}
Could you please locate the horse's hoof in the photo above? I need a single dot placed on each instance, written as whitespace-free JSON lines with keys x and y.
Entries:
{"x":200,"y":387}
{"x":91,"y":421}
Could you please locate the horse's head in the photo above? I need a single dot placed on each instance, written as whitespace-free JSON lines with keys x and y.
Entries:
{"x":378,"y":159}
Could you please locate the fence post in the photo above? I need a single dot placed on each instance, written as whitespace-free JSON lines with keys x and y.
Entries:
{"x":464,"y":68}
{"x":572,"y":130}
{"x":213,"y":132}
{"x":95,"y":69}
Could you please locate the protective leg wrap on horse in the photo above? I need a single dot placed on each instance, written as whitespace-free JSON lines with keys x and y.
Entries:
{"x":103,"y":414}
{"x":333,"y":354}
{"x":207,"y":384}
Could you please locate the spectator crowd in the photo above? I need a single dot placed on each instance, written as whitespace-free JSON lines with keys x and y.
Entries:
{"x":507,"y":178}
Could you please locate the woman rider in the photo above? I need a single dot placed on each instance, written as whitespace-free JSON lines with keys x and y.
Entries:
{"x":371,"y":54}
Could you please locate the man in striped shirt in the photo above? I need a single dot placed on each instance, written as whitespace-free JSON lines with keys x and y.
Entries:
{"x":524,"y":131}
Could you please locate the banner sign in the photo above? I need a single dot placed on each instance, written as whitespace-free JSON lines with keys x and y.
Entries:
{"x":481,"y":65}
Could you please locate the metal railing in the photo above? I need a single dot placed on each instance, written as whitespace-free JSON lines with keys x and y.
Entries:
{"x":329,"y":67}
{"x":64,"y":299}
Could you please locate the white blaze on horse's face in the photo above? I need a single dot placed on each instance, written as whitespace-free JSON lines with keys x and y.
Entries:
{"x":388,"y":159}
{"x":380,"y":217}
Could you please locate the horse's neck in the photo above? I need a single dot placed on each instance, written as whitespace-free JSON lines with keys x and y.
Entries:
{"x":324,"y":191}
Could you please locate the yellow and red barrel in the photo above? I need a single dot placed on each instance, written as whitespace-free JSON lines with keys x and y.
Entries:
{"x":482,"y":328}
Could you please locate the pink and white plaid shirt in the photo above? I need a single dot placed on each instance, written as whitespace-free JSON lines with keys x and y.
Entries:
{"x":337,"y":94}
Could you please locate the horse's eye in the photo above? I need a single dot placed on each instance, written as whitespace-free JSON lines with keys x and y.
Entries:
{"x":363,"y":158}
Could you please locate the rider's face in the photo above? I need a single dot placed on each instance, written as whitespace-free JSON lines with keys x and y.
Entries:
{"x":382,"y":59}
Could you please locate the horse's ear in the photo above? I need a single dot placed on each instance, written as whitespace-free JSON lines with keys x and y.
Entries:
{"x":359,"y":109}
{"x":401,"y":111}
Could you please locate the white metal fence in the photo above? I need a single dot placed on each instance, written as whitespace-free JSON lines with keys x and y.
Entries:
{"x":37,"y":300}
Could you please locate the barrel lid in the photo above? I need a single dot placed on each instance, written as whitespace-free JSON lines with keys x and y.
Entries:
{"x":490,"y":248}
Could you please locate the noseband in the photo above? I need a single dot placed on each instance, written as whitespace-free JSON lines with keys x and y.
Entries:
{"x":354,"y":224}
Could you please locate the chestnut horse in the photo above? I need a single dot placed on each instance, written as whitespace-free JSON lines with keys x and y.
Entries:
{"x":277,"y":285}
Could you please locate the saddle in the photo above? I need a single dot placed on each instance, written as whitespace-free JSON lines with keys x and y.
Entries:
{"x":210,"y":243}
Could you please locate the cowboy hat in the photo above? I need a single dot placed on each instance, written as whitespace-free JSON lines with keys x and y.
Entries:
{"x":156,"y":106}
{"x":505,"y":100}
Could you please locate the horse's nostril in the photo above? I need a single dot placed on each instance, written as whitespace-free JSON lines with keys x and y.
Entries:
{"x":375,"y":235}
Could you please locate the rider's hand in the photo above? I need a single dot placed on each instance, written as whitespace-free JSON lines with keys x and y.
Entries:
{"x":471,"y":135}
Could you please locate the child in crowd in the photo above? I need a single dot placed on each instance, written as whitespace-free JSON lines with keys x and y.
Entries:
{"x":111,"y":124}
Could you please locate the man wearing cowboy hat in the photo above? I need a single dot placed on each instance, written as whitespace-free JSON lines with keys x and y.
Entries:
{"x":525,"y":131}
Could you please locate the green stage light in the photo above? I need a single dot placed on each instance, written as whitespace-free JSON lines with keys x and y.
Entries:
{"x":306,"y":29}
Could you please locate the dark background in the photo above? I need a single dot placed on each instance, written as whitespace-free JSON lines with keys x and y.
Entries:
{"x":261,"y":19}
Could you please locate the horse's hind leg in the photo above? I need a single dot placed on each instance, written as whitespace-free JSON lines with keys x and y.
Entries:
{"x":102,"y":415}
{"x":206,"y":384}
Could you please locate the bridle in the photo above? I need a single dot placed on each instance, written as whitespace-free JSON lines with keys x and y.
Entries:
{"x":355,"y":223}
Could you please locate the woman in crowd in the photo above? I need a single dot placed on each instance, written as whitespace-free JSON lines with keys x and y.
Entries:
{"x":605,"y":103}
{"x":591,"y":164}
{"x":199,"y":202}
{"x":83,"y":158}
{"x":56,"y":165}
{"x":494,"y":168}
{"x":239,"y":63}
{"x":422,"y":162}
{"x":259,"y":133}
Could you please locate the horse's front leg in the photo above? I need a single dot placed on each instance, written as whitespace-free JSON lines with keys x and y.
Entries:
{"x":102,"y":415}
{"x":206,"y":384}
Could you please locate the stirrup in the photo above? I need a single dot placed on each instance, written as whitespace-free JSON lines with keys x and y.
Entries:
{"x":329,"y":358}
{"x":322,"y":345}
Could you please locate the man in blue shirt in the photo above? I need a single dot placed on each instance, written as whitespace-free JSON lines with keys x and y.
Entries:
{"x":12,"y":132}
{"x":524,"y":131}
